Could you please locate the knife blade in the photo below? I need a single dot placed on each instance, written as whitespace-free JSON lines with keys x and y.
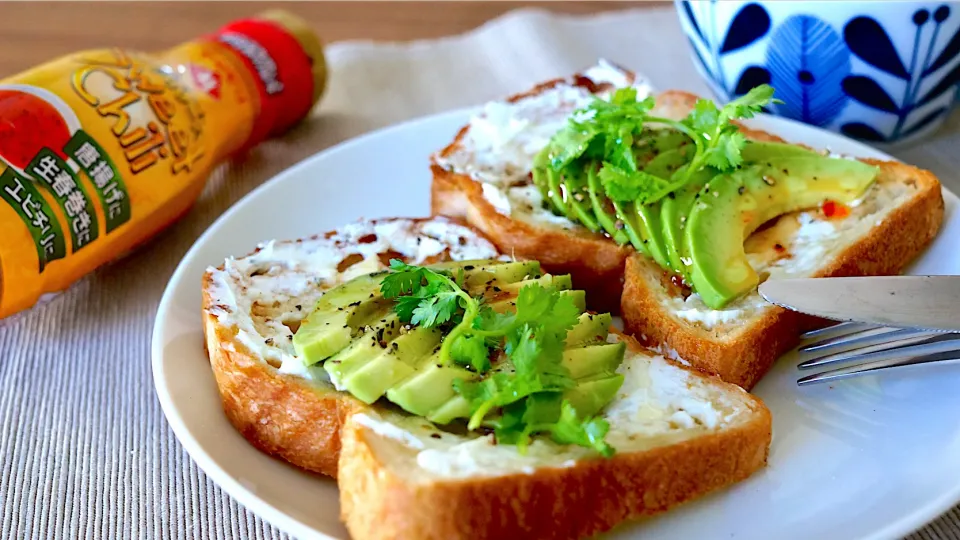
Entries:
{"x":929,"y":302}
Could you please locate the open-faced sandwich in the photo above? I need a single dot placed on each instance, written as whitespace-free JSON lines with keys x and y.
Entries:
{"x":457,"y":393}
{"x":466,"y":382}
{"x":668,"y":207}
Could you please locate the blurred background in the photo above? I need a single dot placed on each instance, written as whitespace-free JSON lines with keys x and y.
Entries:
{"x":33,"y":32}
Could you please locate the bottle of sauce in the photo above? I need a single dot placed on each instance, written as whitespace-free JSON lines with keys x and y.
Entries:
{"x":102,"y":149}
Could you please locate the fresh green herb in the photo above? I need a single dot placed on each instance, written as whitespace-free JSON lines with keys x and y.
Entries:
{"x":605,"y":134}
{"x":547,"y":412}
{"x":718,"y":140}
{"x":522,"y":394}
{"x":589,"y":432}
{"x":429,"y":298}
{"x":424,"y":297}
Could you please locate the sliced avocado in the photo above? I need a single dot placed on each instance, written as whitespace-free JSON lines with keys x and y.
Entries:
{"x":731,"y":207}
{"x":504,"y":305}
{"x":591,"y":395}
{"x":429,"y":388}
{"x":562,"y":282}
{"x":674,"y":211}
{"x":556,"y":192}
{"x":396,"y":362}
{"x":603,"y":207}
{"x":656,"y":142}
{"x":763,"y":152}
{"x":356,"y":290}
{"x":579,"y":197}
{"x":478,"y":274}
{"x":651,"y":229}
{"x":568,"y":193}
{"x":639,"y":224}
{"x":643,"y":222}
{"x":626,"y":213}
{"x":579,"y":298}
{"x":368,"y":381}
{"x":499,"y":273}
{"x":589,"y":329}
{"x":594,"y":359}
{"x":667,"y":163}
{"x":372,"y":340}
{"x":456,"y":407}
{"x":333,"y":324}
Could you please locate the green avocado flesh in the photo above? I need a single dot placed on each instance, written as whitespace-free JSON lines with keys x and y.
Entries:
{"x":697,"y":231}
{"x":732,"y":206}
{"x":367,"y":350}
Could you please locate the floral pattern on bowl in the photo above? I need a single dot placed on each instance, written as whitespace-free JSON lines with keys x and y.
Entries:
{"x":878,"y":72}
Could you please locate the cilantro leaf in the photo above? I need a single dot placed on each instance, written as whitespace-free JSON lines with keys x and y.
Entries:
{"x":436,"y":309}
{"x":589,"y":432}
{"x":564,"y":315}
{"x":704,"y":117}
{"x":494,"y":323}
{"x":536,"y":413}
{"x":569,"y":144}
{"x":521,"y":396}
{"x":534,"y":301}
{"x":603,"y":128}
{"x":627,"y":186}
{"x":609,"y":133}
{"x":624,"y":96}
{"x":403,"y":279}
{"x":471,"y":350}
{"x":751,"y":103}
{"x":542,"y":408}
{"x":405,"y":306}
{"x":524,"y":349}
{"x":509,"y":428}
{"x":725,"y":153}
{"x":719,"y":142}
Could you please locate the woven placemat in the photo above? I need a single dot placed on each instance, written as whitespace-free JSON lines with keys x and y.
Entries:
{"x":84,"y":449}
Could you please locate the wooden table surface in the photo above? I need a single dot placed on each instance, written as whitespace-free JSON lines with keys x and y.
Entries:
{"x":32,"y":32}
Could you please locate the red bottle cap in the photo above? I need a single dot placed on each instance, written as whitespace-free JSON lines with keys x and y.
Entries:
{"x":286,"y":58}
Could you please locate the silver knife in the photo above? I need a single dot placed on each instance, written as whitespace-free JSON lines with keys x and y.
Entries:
{"x":928,"y":302}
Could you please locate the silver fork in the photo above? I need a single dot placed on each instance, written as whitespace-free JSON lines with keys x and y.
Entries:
{"x":871,"y":348}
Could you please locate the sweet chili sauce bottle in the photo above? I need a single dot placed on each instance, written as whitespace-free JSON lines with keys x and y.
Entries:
{"x":100,"y":150}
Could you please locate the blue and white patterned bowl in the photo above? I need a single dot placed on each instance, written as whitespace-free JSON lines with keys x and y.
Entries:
{"x":882,"y":72}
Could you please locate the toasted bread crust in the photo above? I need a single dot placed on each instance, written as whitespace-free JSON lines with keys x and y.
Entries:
{"x":595,"y":263}
{"x":551,"y":503}
{"x":278,"y":414}
{"x":744,"y":357}
{"x":608,"y":271}
{"x":281,"y":415}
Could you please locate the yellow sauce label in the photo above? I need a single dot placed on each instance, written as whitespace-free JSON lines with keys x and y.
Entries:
{"x":102,"y":149}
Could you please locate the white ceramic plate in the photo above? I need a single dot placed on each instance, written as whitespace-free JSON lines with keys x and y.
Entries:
{"x":870,"y":458}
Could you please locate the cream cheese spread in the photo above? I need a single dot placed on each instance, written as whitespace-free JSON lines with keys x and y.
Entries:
{"x":811,"y":246}
{"x":658,"y":403}
{"x":501,"y":142}
{"x":266,"y":294}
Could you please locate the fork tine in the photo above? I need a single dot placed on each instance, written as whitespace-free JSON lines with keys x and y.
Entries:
{"x":870,"y":367}
{"x":844,"y":328}
{"x":865,"y":339}
{"x":912,"y":345}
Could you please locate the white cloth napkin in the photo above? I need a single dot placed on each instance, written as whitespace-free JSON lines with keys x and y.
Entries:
{"x":84,"y":449}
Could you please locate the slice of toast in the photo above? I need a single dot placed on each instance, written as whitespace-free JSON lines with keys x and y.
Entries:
{"x":678,"y":435}
{"x":893,"y":223}
{"x":253,"y":305}
{"x":483,"y":177}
